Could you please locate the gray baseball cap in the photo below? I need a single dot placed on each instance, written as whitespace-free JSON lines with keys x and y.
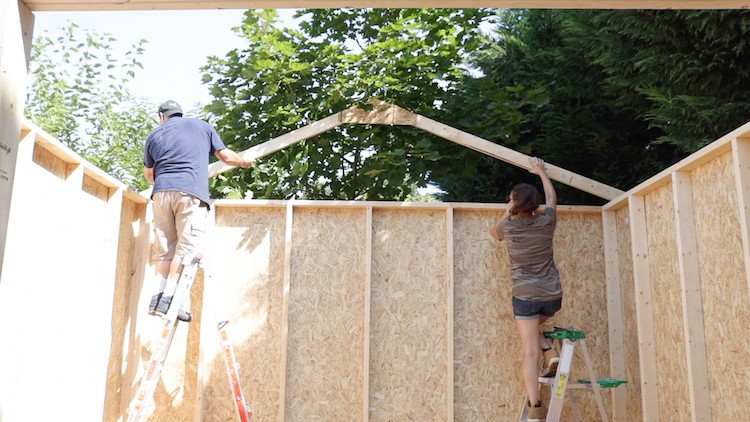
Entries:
{"x":169,"y":108}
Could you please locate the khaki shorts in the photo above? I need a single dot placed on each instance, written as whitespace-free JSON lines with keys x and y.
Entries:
{"x":180,"y":222}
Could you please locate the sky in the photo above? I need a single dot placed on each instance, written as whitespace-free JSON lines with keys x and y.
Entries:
{"x":178,"y":44}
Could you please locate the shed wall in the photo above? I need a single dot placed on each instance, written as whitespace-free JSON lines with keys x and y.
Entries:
{"x":723,"y":288}
{"x":59,"y":326}
{"x":683,"y":276}
{"x":393,"y":362}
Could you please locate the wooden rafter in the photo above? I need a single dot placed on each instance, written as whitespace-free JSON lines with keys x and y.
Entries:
{"x":383,"y":113}
{"x":80,"y":5}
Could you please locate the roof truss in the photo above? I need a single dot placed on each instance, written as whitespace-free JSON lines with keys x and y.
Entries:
{"x":388,"y":114}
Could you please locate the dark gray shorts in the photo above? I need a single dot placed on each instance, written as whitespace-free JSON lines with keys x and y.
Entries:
{"x":524,"y":309}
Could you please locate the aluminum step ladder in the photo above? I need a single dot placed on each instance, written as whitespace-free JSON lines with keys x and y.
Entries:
{"x":561,"y":383}
{"x":142,"y":405}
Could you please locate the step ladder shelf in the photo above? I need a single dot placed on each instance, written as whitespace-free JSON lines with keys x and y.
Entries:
{"x":562,"y":381}
{"x":563,"y":333}
{"x":603,"y":382}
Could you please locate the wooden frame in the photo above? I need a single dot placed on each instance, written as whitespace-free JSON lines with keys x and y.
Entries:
{"x":706,"y":382}
{"x":388,"y":114}
{"x":280,"y":4}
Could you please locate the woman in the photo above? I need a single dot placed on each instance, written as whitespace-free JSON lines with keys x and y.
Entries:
{"x":537,"y":291}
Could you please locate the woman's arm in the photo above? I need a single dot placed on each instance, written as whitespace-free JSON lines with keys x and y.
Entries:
{"x":537,"y":167}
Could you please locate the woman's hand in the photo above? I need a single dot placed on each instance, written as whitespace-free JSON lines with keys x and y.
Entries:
{"x":537,"y":166}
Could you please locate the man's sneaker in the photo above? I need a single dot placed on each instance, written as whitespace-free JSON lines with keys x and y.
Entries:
{"x":163,"y":307}
{"x":154,"y":303}
{"x":551,"y":359}
{"x":536,"y":413}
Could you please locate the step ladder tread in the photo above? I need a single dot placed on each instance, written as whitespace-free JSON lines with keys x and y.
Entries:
{"x":604,"y":382}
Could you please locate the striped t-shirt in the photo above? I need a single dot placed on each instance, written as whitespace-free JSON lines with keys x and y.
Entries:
{"x":532,"y":262}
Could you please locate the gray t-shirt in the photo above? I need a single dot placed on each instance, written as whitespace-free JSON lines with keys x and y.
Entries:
{"x":532,"y":262}
{"x":179,"y":151}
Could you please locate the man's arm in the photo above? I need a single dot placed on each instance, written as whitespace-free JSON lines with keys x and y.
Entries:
{"x":227,"y":156}
{"x":537,"y":167}
{"x":148,"y":173}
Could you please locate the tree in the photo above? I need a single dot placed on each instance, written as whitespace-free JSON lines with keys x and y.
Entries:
{"x":284,"y":79}
{"x":613,"y":95}
{"x":78,"y":93}
{"x":683,"y":72}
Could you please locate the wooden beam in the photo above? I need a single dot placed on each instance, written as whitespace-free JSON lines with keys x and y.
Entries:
{"x":450,"y":305}
{"x":615,"y":318}
{"x":644,"y":309}
{"x":706,"y":154}
{"x":15,"y":21}
{"x":692,"y":302}
{"x":367,"y":318}
{"x":516,"y":158}
{"x":284,"y":352}
{"x":381,"y":114}
{"x":79,"y":5}
{"x":281,"y":142}
{"x":741,"y":164}
{"x":27,"y":30}
{"x":384,"y":113}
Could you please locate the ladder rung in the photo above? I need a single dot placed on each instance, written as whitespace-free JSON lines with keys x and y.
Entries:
{"x":604,"y":382}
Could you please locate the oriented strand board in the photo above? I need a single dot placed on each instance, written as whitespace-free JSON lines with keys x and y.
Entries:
{"x":408,"y":349}
{"x":630,"y":326}
{"x":485,"y":336}
{"x":246,"y":268}
{"x":724,"y":288}
{"x":59,"y":257}
{"x":131,"y":218}
{"x":487,"y":347}
{"x":671,"y":358}
{"x":579,"y":255}
{"x":326,"y":315}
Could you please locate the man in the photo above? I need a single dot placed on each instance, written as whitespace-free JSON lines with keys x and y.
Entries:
{"x":176,"y":162}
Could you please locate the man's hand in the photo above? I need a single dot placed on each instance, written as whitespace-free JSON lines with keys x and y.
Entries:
{"x":247,"y":163}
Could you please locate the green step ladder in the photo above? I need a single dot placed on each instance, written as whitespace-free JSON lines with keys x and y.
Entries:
{"x":561,"y":382}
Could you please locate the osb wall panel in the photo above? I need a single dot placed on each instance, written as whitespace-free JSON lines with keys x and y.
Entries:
{"x":486,"y":349}
{"x":246,"y":268}
{"x":409,"y":341}
{"x":668,"y":324}
{"x":723,"y":288}
{"x":408,"y":351}
{"x":56,"y":295}
{"x":579,"y":255}
{"x":630,"y":328}
{"x":326,"y":315}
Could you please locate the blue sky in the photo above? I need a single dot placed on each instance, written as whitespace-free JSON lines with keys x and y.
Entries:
{"x":178,"y":44}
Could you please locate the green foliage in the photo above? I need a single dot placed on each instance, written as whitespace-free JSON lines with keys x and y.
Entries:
{"x":78,"y":93}
{"x":612,"y":95}
{"x":683,"y":72}
{"x":285,"y":79}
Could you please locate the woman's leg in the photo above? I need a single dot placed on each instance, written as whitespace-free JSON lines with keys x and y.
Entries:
{"x":543,"y":343}
{"x":530,"y":352}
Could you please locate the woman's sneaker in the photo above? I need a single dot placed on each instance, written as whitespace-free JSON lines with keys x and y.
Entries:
{"x":551,"y":359}
{"x":536,"y":413}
